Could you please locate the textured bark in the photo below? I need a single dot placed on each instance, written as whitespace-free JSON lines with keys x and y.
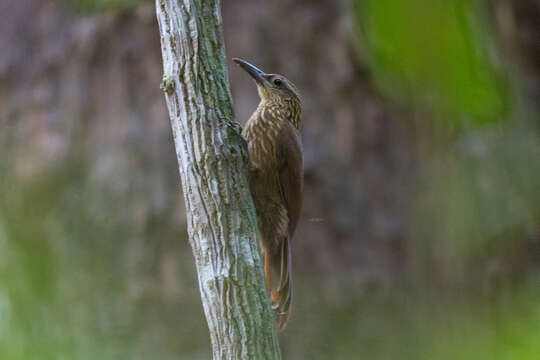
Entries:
{"x":212,"y":160}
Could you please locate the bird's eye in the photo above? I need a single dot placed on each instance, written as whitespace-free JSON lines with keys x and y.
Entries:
{"x":278,"y":82}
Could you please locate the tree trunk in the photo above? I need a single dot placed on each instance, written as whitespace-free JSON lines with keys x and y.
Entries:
{"x":212,"y":159}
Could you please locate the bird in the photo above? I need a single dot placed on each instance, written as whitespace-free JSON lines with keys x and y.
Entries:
{"x":276,"y":179}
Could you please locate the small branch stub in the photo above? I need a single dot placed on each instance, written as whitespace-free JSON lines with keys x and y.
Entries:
{"x":167,"y":84}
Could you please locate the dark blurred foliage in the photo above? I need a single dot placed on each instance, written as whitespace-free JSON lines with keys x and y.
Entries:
{"x":420,"y":237}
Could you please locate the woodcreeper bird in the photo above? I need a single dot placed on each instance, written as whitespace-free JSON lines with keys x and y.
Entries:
{"x":276,"y":179}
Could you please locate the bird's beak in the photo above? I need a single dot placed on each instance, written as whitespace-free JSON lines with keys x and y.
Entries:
{"x":256,"y":74}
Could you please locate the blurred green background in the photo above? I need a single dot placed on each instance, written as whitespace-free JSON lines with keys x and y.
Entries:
{"x":420,"y":235}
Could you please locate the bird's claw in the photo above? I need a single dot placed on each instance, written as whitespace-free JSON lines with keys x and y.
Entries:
{"x":234,"y":126}
{"x":237,"y":129}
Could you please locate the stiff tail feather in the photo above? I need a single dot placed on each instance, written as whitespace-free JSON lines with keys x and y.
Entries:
{"x":281,"y":296}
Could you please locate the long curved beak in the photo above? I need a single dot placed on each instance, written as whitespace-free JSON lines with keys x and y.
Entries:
{"x":256,"y":73}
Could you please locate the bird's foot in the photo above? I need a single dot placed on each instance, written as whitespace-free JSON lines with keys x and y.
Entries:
{"x":233,"y":125}
{"x":237,"y":129}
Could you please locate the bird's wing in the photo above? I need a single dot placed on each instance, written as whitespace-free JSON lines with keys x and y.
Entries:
{"x":291,"y":172}
{"x":291,"y":180}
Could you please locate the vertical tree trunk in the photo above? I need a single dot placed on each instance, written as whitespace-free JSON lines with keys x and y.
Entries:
{"x":212,"y":160}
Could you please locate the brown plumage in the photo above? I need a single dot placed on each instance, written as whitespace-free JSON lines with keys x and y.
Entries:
{"x":276,"y":179}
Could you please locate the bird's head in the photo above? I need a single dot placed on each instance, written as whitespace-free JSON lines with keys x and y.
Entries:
{"x":274,"y":89}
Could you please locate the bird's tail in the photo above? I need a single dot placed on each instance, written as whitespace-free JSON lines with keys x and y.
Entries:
{"x":281,"y":296}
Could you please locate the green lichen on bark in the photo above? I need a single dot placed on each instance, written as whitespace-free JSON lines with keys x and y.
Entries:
{"x":167,"y":84}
